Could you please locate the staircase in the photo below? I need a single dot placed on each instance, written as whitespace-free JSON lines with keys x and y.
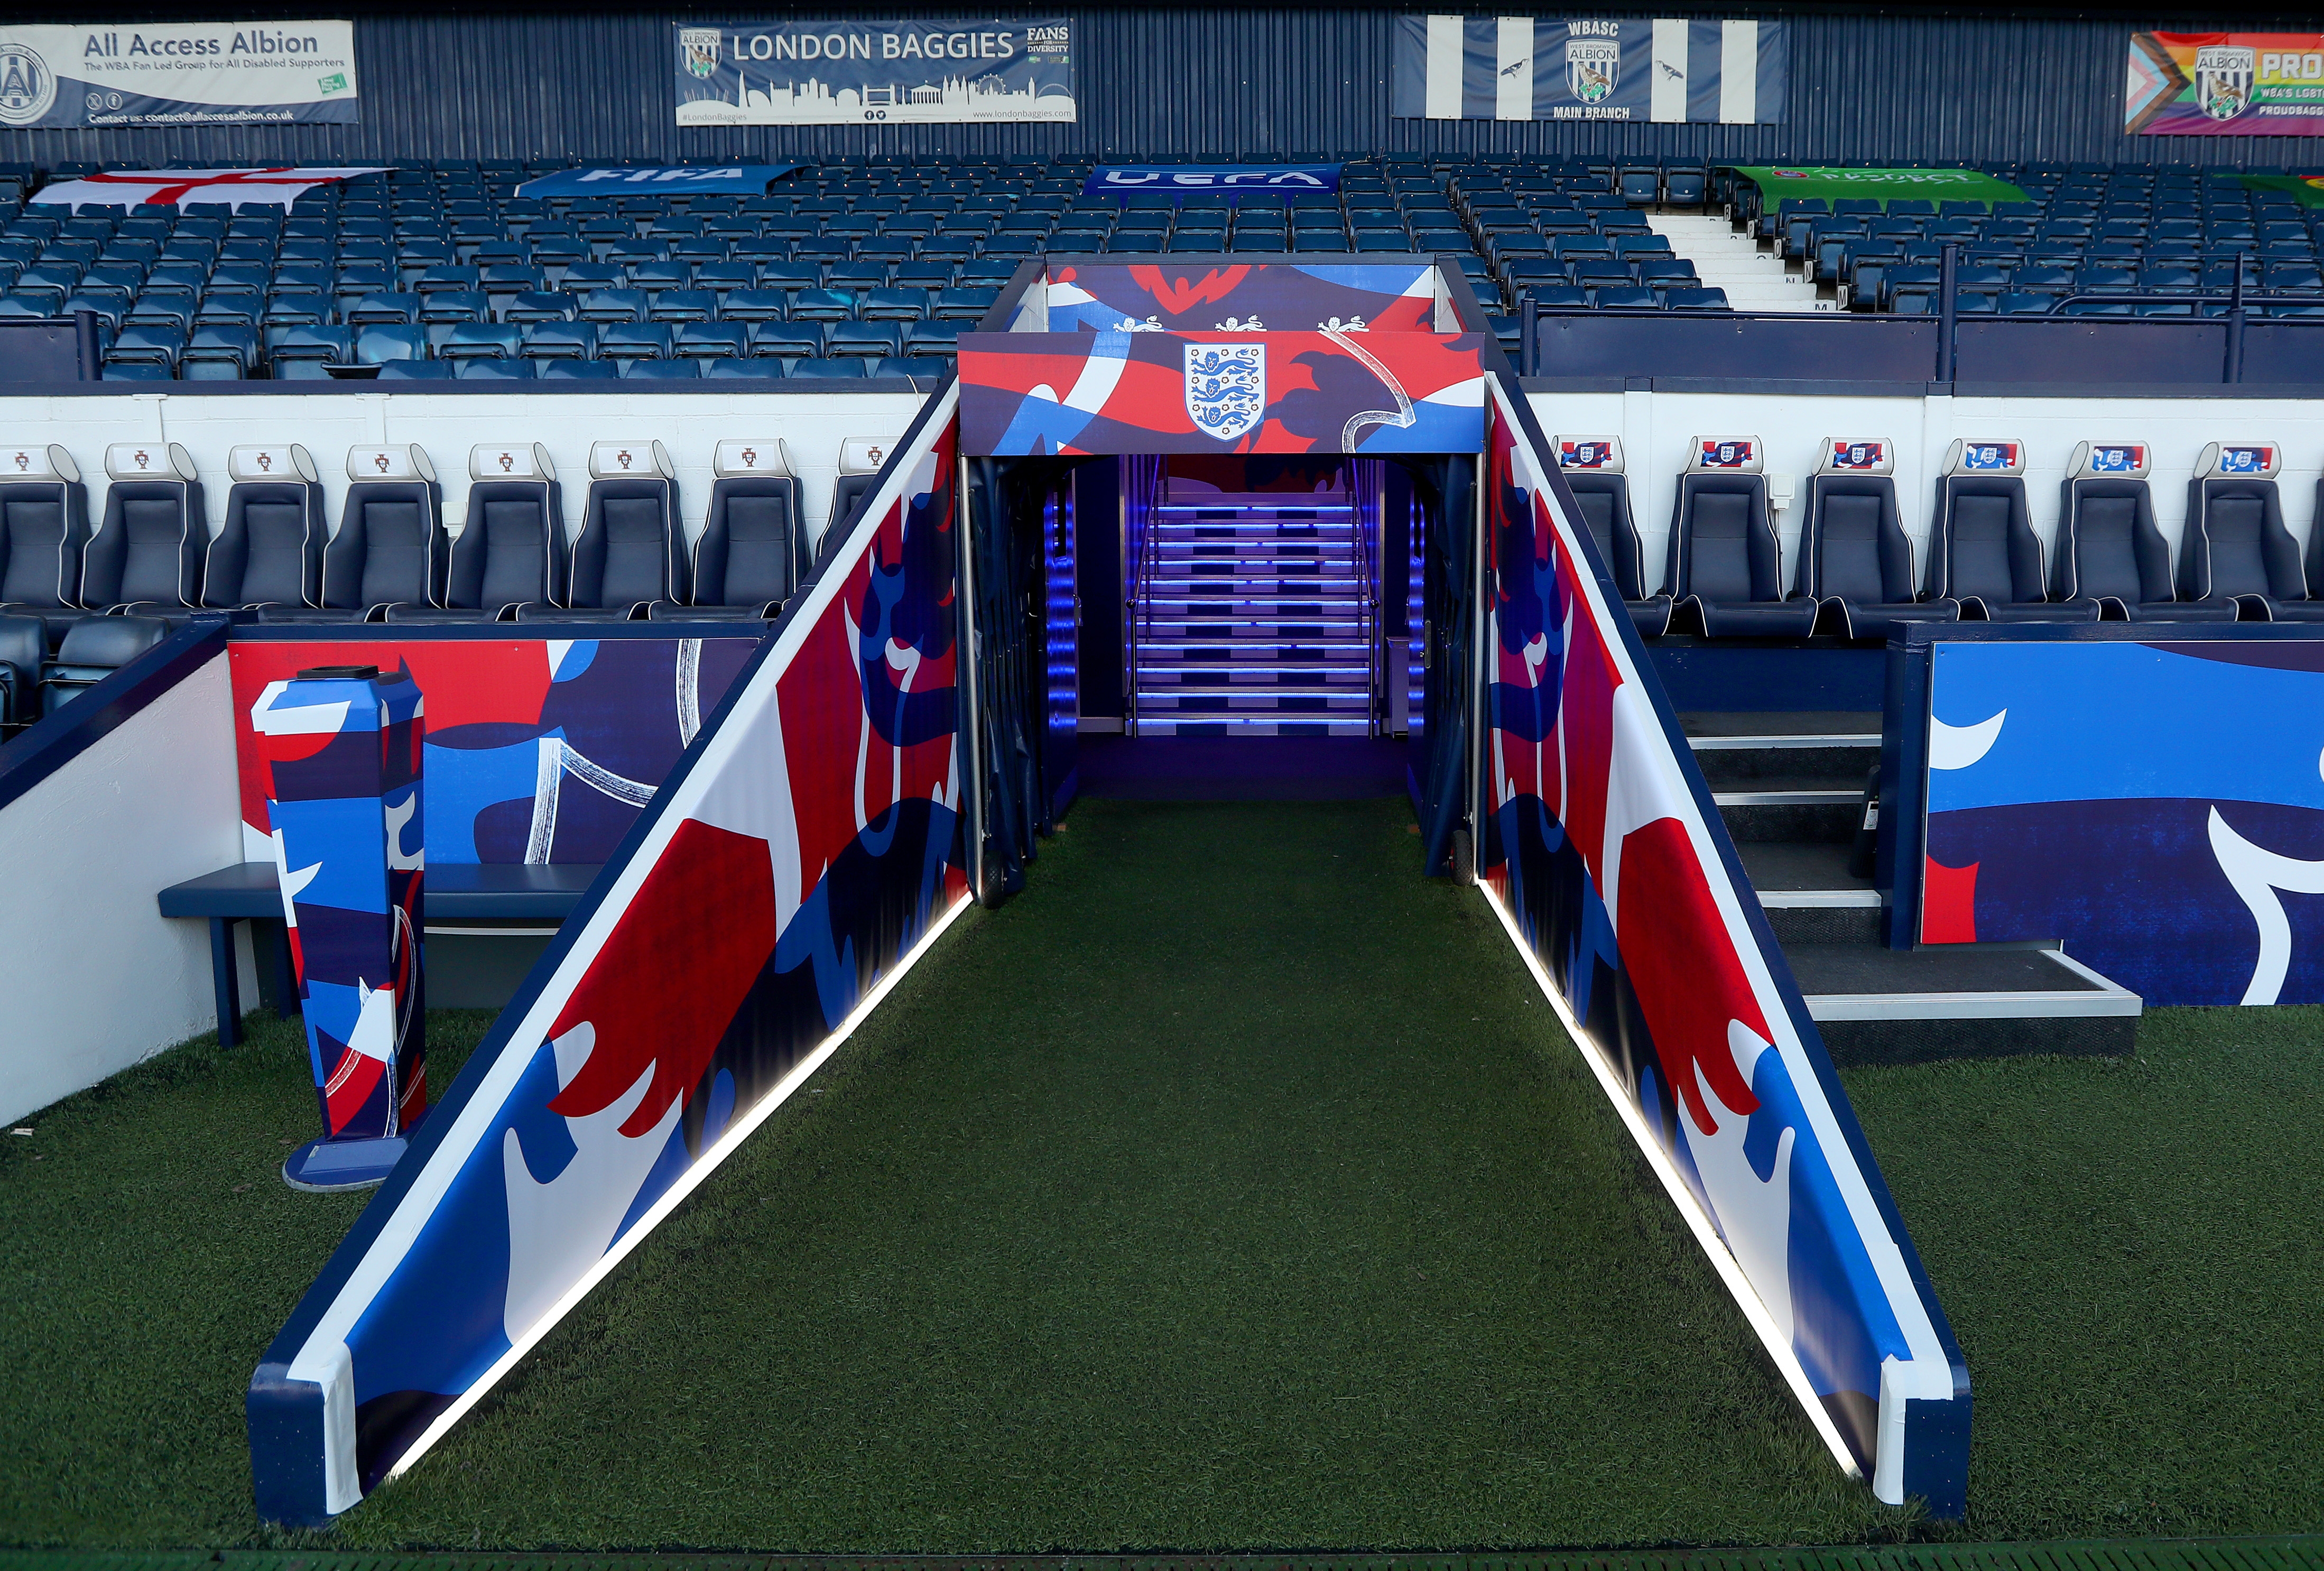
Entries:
{"x":1754,"y":279}
{"x":1791,"y":789}
{"x":1252,"y":620}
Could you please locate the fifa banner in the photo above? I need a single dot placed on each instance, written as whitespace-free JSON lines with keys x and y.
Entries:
{"x":1603,"y":855}
{"x":804,"y":853}
{"x":236,"y":187}
{"x":895,"y":73}
{"x":2225,"y":84}
{"x":1547,"y":68}
{"x":191,"y":73}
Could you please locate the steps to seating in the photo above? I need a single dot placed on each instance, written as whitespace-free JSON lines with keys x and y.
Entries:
{"x":1754,"y":279}
{"x":1250,"y":621}
{"x":1791,"y":789}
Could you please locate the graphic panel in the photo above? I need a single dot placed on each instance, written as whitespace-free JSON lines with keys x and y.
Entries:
{"x":1242,"y":297}
{"x":1152,"y":392}
{"x":2155,"y":806}
{"x":1598,"y":848}
{"x":804,"y":849}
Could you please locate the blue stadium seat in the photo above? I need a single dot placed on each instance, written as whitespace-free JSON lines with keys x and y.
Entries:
{"x":634,"y":341}
{"x":787,"y":340}
{"x":850,"y":369}
{"x":755,"y":305}
{"x":1854,"y":560}
{"x":569,"y":370}
{"x":1593,"y":466}
{"x":150,"y":344}
{"x":712,"y":340}
{"x":417,"y":371}
{"x":661,"y":370}
{"x":615,"y":305}
{"x":381,"y":308}
{"x":1696,"y":299}
{"x":1725,"y":572}
{"x":561,"y":340}
{"x":495,"y":370}
{"x":727,"y":370}
{"x":221,"y":352}
{"x":860,"y":339}
{"x":822,"y":305}
{"x":2235,"y":548}
{"x":381,"y":345}
{"x":482,"y":340}
{"x":2108,"y":550}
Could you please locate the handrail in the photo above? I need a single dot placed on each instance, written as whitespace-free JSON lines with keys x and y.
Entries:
{"x":1361,"y":495}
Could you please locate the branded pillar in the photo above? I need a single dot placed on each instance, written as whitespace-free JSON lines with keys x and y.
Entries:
{"x":341,"y":745}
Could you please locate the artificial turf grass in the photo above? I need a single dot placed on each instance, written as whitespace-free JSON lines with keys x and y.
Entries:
{"x":149,"y":1249}
{"x":2127,"y":1251}
{"x":1231,"y":1188}
{"x":2169,"y":1392}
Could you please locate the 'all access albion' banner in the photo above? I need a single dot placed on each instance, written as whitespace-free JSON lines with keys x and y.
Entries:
{"x":854,"y":72}
{"x":179,"y":73}
{"x":2225,"y":84}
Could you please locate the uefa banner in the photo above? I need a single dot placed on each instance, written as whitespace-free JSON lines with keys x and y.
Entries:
{"x":854,"y":72}
{"x":2225,"y":84}
{"x":191,"y":73}
{"x":1546,"y":68}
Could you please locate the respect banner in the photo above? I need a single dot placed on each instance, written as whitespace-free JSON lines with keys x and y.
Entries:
{"x":853,"y":73}
{"x":1777,"y":181}
{"x":2225,"y":84}
{"x":194,"y":73}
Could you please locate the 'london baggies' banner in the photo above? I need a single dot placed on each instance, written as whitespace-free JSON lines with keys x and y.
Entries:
{"x":188,"y":73}
{"x":1548,"y":68}
{"x":2225,"y":84}
{"x":854,"y":72}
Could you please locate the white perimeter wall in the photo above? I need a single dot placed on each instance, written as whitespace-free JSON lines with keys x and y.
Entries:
{"x":1658,"y":429}
{"x":447,"y":425}
{"x":92,"y":977}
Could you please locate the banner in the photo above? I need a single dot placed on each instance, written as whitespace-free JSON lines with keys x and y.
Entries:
{"x":1776,"y":182}
{"x":747,"y":179}
{"x":176,"y":186}
{"x":2306,"y":189}
{"x":898,"y":73}
{"x":1119,"y":180}
{"x":2225,"y":84}
{"x":1546,"y":68}
{"x":195,"y":73}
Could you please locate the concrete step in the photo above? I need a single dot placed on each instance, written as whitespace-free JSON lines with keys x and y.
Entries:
{"x":1249,"y":726}
{"x":1876,"y":1005}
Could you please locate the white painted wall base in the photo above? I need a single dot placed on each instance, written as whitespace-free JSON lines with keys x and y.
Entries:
{"x":92,"y":976}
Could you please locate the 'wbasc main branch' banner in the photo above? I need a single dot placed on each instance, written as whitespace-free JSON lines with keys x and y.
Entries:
{"x":857,"y":72}
{"x":1547,"y":68}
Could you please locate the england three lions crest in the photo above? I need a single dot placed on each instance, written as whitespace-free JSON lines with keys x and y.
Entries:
{"x":1226,"y":388}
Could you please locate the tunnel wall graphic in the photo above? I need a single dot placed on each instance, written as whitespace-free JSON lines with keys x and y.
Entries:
{"x":1602,"y":850}
{"x":807,"y":844}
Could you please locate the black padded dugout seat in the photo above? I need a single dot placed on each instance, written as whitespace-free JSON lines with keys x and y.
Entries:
{"x":2108,"y":548}
{"x":511,"y":553}
{"x":2236,"y":549}
{"x":269,"y":550}
{"x":752,"y":552}
{"x":1725,"y":568}
{"x":43,"y":531}
{"x":1593,"y":473}
{"x":859,"y":472}
{"x":390,"y":548}
{"x":1983,"y":551}
{"x":630,"y":553}
{"x":23,"y":645}
{"x":146,"y":557}
{"x":1855,"y":561}
{"x":93,"y":648}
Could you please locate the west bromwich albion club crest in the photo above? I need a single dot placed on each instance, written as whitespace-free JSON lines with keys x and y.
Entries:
{"x":2224,"y":74}
{"x":1592,"y":66}
{"x":1226,"y":388}
{"x":701,"y":47}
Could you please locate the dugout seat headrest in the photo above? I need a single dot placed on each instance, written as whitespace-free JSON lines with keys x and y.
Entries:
{"x":1857,"y":456}
{"x":510,"y":461}
{"x":403,"y":461}
{"x":1590,"y":455}
{"x":2239,"y":461}
{"x":148,"y":461}
{"x":1724,"y":455}
{"x":630,"y":462}
{"x":2110,"y":461}
{"x":292,"y":463}
{"x":48,"y":463}
{"x":765,"y":458}
{"x":1985,"y":458}
{"x":861,"y":456}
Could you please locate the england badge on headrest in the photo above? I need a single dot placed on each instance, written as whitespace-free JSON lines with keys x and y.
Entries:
{"x":1226,"y":388}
